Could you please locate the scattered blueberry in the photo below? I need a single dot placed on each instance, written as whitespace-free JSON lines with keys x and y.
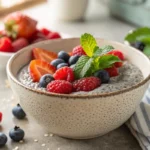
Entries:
{"x":62,"y":65}
{"x":63,"y":55}
{"x":16,"y":134}
{"x":103,"y":75}
{"x":56,"y":62}
{"x":73,"y":59}
{"x":45,"y":79}
{"x":3,"y":139}
{"x":139,"y":45}
{"x":18,"y":112}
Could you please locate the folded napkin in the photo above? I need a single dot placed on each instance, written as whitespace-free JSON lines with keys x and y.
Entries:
{"x":139,"y":123}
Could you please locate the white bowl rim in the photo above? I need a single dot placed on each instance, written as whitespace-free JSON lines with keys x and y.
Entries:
{"x":14,"y":79}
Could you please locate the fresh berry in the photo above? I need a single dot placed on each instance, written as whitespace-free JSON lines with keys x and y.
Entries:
{"x":60,"y":86}
{"x":86,"y":84}
{"x":1,"y":116}
{"x":3,"y":139}
{"x":5,"y":45}
{"x":45,"y":80}
{"x":73,"y":59}
{"x":112,"y":71}
{"x":19,"y":44}
{"x":18,"y":112}
{"x":64,"y":73}
{"x":56,"y":62}
{"x":45,"y":55}
{"x":103,"y":75}
{"x":117,"y":53}
{"x":62,"y":65}
{"x":63,"y":55}
{"x":53,"y":35}
{"x":139,"y":45}
{"x":38,"y":68}
{"x":45,"y":31}
{"x":19,"y":25}
{"x":118,"y":64}
{"x":78,"y":50}
{"x":16,"y":134}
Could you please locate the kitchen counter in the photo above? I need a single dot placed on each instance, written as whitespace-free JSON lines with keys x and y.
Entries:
{"x":100,"y":24}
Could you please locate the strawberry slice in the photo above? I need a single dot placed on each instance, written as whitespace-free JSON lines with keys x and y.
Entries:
{"x":42,"y":54}
{"x":113,"y":71}
{"x":38,"y":68}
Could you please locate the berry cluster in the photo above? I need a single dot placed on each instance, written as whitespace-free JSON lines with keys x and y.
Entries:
{"x":20,"y":31}
{"x":55,"y":72}
{"x":16,"y":134}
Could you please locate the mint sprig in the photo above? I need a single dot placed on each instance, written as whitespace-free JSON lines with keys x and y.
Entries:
{"x":96,"y":58}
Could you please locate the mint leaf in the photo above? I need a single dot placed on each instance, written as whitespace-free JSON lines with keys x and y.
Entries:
{"x":140,"y":34}
{"x":83,"y":67}
{"x":106,"y":61}
{"x":88,"y":43}
{"x":146,"y":50}
{"x":103,"y":50}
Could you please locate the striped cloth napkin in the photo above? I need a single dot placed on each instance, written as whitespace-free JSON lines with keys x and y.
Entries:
{"x":139,"y":123}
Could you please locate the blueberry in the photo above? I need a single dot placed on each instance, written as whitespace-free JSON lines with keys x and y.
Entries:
{"x":18,"y":112}
{"x":62,"y":65}
{"x":139,"y":45}
{"x":63,"y":55}
{"x":45,"y":79}
{"x":103,"y":75}
{"x":73,"y":59}
{"x":3,"y":139}
{"x":16,"y":134}
{"x":56,"y":62}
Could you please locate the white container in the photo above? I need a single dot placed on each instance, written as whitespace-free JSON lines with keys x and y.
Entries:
{"x":67,"y":10}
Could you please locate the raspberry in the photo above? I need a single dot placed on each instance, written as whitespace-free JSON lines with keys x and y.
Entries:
{"x":53,"y":35}
{"x":64,"y":73}
{"x":86,"y":84}
{"x":1,"y":116}
{"x":78,"y":50}
{"x":19,"y":44}
{"x":117,"y":53}
{"x":45,"y":31}
{"x":112,"y":71}
{"x":5,"y":45}
{"x":118,"y":64}
{"x":59,"y":86}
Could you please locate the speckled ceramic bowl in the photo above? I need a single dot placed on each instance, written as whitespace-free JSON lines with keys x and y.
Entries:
{"x":78,"y":117}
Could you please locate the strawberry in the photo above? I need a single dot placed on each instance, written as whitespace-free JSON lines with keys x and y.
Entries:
{"x":45,"y":31}
{"x":64,"y":73}
{"x":113,"y":71}
{"x":1,"y":116}
{"x":118,"y":64}
{"x":78,"y":50}
{"x":53,"y":35}
{"x":45,"y":55}
{"x":38,"y":68}
{"x":59,"y":86}
{"x":86,"y":84}
{"x":6,"y":45}
{"x":117,"y":53}
{"x":19,"y":25}
{"x":19,"y":44}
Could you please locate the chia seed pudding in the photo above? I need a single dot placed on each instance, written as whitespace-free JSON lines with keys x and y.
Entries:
{"x":129,"y":75}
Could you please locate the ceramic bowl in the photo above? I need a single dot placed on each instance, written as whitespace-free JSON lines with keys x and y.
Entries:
{"x":78,"y":117}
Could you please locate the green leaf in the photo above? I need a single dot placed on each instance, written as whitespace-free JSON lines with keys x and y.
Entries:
{"x":88,"y":43}
{"x":146,"y":50}
{"x":140,"y":34}
{"x":106,"y":61}
{"x":83,"y":67}
{"x":103,"y":50}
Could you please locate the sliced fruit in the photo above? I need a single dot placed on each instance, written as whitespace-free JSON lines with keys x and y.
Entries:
{"x":42,"y":54}
{"x":38,"y":68}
